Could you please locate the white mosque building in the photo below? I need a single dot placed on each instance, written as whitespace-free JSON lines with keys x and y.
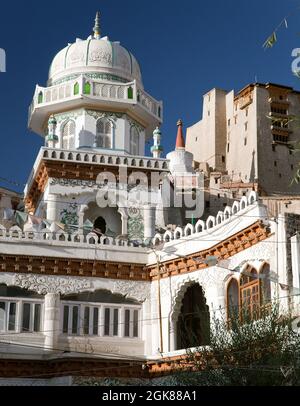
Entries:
{"x":106,"y":276}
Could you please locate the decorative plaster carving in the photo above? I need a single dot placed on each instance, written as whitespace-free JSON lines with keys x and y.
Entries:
{"x":76,"y":57}
{"x":51,"y":284}
{"x":68,"y":114}
{"x":106,"y":114}
{"x":135,"y":290}
{"x":101,"y":56}
{"x":105,"y":76}
{"x":136,"y":228}
{"x":135,"y":124}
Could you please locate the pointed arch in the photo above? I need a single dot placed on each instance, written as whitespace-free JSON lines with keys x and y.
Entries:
{"x":134,"y":140}
{"x":103,"y":138}
{"x":68,"y":130}
{"x":87,"y":88}
{"x":191,"y":316}
{"x":232,"y":298}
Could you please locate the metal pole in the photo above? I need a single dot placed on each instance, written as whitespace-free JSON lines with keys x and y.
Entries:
{"x":159,"y":305}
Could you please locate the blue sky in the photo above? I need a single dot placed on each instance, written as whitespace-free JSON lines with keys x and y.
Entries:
{"x":184,"y":48}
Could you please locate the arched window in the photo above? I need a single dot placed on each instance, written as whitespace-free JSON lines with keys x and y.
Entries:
{"x":103,"y":137}
{"x":134,"y":141}
{"x":232,"y":299}
{"x":76,"y":88}
{"x":130,"y":93}
{"x":253,"y":291}
{"x":87,"y":88}
{"x":40,"y":97}
{"x":249,"y":293}
{"x":68,"y":135}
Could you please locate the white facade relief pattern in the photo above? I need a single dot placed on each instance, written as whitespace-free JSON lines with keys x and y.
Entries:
{"x":52,"y":284}
{"x":133,"y":290}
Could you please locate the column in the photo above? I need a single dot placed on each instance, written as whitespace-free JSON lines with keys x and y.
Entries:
{"x":149,"y":222}
{"x":51,"y":320}
{"x":52,"y":207}
{"x":295,"y":248}
{"x":101,"y":321}
{"x":83,"y":208}
{"x":122,"y":322}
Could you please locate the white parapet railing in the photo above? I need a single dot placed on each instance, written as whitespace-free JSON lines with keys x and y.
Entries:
{"x":105,"y":159}
{"x":16,"y":234}
{"x":97,"y":90}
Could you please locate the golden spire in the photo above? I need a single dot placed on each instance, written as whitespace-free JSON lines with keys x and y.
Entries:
{"x":96,"y":29}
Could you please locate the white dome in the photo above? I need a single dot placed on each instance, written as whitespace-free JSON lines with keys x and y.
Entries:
{"x":95,"y":56}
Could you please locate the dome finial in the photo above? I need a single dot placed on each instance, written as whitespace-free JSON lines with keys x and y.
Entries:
{"x":96,"y":29}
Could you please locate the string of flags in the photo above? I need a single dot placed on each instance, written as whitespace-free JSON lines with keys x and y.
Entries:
{"x":22,"y":218}
{"x":270,"y":41}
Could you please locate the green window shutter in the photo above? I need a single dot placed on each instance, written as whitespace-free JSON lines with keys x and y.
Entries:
{"x":130,"y":93}
{"x":76,"y":88}
{"x":87,"y":88}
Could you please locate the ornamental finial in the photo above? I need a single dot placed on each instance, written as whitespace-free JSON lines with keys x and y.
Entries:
{"x":180,"y":144}
{"x":96,"y":29}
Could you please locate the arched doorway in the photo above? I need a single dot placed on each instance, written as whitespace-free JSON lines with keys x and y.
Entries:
{"x":193,"y":324}
{"x":100,"y":224}
{"x":107,"y":220}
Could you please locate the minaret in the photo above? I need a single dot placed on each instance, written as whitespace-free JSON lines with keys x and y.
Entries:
{"x":51,"y":138}
{"x":156,"y":149}
{"x":96,"y":29}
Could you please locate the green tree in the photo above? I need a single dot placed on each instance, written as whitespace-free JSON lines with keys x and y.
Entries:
{"x":265,"y":351}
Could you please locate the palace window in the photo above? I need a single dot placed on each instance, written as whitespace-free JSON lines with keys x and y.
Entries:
{"x":20,"y":310}
{"x":278,"y":110}
{"x":103,"y":137}
{"x":71,"y":320}
{"x":31,"y":317}
{"x":247,"y":296}
{"x":19,"y":315}
{"x":8,"y":311}
{"x":68,"y":135}
{"x":111,"y":322}
{"x":131,"y":323}
{"x":95,"y":319}
{"x":134,"y":141}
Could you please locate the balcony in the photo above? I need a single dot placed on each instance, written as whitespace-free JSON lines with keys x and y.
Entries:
{"x":84,"y":91}
{"x":244,"y":101}
{"x":277,"y":100}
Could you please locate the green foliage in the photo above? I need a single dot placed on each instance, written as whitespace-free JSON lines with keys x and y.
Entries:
{"x":265,"y":351}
